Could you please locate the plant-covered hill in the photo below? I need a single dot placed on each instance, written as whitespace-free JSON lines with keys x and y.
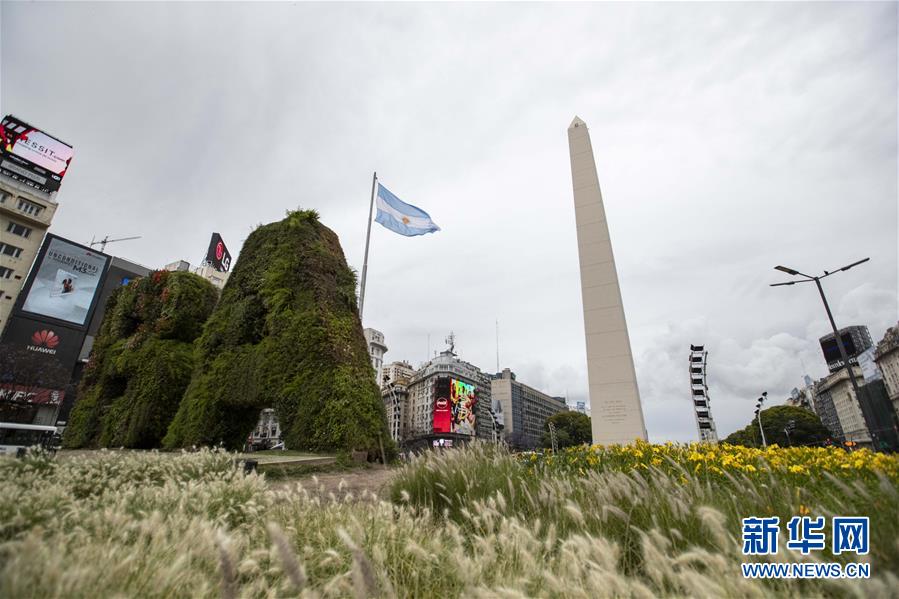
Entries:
{"x":286,"y":334}
{"x":141,"y":361}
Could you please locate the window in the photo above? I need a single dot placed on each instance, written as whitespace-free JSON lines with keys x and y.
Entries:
{"x":30,"y":207}
{"x":5,"y":273}
{"x":4,"y":196}
{"x":10,"y":250}
{"x":17,"y":229}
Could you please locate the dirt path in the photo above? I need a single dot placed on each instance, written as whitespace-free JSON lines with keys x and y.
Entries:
{"x":374,"y":480}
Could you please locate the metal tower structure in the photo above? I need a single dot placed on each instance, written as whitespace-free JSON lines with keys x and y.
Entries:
{"x":699,"y":390}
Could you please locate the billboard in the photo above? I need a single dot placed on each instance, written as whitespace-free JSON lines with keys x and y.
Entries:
{"x":29,"y":155}
{"x":463,"y":399}
{"x":64,"y":281}
{"x":454,"y":407}
{"x":217,"y":255}
{"x":443,"y":417}
{"x":832,"y":351}
{"x":24,"y":394}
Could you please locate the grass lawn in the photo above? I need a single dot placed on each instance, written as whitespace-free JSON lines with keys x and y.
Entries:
{"x":636,"y":521}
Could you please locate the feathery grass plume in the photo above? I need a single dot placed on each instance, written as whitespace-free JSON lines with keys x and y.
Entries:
{"x":292,"y":567}
{"x":365,"y":583}
{"x":229,"y":577}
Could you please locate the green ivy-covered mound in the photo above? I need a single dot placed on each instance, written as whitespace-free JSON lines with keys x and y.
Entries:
{"x":286,"y":334}
{"x":141,"y":361}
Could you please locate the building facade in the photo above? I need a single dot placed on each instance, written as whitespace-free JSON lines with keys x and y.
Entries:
{"x":856,"y":339}
{"x":524,"y":409}
{"x":836,"y":389}
{"x":207,"y":271}
{"x":887,"y":358}
{"x":25,"y":216}
{"x":374,"y":340}
{"x":426,"y":395}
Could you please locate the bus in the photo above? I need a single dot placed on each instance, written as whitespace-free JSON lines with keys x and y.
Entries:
{"x":15,"y":438}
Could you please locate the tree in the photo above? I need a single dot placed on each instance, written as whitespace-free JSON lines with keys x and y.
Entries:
{"x":572,"y":428}
{"x":805,"y":428}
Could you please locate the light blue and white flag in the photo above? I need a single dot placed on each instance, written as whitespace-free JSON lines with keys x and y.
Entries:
{"x":400,"y":217}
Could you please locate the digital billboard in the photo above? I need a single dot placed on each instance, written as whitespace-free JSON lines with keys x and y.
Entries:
{"x":463,"y":399}
{"x":832,"y":351}
{"x":29,"y":155}
{"x":217,"y":255}
{"x":64,"y":282}
{"x":443,"y":416}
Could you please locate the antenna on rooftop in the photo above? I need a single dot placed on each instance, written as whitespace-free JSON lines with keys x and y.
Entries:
{"x":497,"y":344}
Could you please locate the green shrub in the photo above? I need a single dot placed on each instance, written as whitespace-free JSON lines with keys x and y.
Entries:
{"x":286,"y":334}
{"x":141,"y":361}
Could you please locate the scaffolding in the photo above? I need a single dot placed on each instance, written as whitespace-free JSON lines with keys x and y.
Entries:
{"x":699,"y":391}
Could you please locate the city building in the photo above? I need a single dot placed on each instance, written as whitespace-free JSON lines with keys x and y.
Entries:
{"x":524,"y":409}
{"x":449,"y":401}
{"x":395,"y":371}
{"x":208,"y":271}
{"x":835,"y":391}
{"x":395,"y":394}
{"x":886,"y":356}
{"x":374,"y":339}
{"x":614,"y":396}
{"x":802,"y":398}
{"x":25,"y":216}
{"x":856,"y":339}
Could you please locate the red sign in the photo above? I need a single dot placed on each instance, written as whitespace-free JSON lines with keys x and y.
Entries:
{"x":443,"y":415}
{"x":32,"y":395}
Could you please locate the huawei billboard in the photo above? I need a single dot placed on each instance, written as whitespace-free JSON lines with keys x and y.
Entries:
{"x":64,"y":281}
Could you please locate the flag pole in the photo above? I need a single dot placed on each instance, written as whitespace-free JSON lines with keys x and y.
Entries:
{"x":374,"y":181}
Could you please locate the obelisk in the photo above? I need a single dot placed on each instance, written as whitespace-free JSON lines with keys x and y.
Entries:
{"x":616,"y":413}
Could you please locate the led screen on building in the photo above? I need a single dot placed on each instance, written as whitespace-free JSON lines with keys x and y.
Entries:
{"x":454,"y":407}
{"x":443,"y":416}
{"x":832,"y":351}
{"x":463,"y":399}
{"x":63,"y":283}
{"x":217,"y":255}
{"x":31,"y":156}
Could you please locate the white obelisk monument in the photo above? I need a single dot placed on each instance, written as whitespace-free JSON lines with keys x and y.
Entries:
{"x":616,"y":412}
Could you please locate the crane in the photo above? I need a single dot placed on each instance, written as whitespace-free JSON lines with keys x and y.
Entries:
{"x":105,"y":240}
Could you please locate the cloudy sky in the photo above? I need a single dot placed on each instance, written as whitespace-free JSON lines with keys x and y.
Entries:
{"x":729,"y":138}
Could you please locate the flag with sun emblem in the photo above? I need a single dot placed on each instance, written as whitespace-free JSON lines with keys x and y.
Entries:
{"x":400,"y":217}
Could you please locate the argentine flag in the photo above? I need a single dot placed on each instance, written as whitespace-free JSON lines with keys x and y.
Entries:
{"x":400,"y":217}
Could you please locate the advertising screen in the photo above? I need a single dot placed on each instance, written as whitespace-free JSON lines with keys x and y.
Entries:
{"x":217,"y":255}
{"x":832,"y":351}
{"x":30,"y":155}
{"x":443,"y":416}
{"x":463,"y":401}
{"x":64,"y":282}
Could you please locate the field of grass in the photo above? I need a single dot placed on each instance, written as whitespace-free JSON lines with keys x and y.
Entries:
{"x":639,"y":521}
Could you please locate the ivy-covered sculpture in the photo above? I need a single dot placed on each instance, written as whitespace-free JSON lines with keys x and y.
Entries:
{"x":141,"y":361}
{"x":285,"y":334}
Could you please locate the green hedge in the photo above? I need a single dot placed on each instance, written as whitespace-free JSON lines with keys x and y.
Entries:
{"x":286,"y":334}
{"x":141,"y":361}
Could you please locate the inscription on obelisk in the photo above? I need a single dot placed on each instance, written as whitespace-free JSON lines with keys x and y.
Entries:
{"x":616,"y":413}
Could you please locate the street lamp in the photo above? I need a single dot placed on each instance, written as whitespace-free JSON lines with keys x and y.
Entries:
{"x":790,"y":426}
{"x":758,"y":416}
{"x":836,"y":333}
